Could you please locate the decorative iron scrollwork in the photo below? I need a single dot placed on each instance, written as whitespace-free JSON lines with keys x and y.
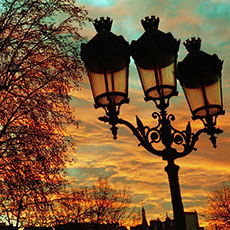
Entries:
{"x":163,"y":132}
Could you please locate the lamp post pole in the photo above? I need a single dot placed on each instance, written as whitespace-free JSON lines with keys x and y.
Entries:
{"x":107,"y":57}
{"x":178,"y":209}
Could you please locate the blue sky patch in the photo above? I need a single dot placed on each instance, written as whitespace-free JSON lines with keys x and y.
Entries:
{"x":102,"y":3}
{"x":214,"y":10}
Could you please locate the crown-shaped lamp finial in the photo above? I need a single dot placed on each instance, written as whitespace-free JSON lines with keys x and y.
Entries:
{"x":192,"y":44}
{"x":150,"y":23}
{"x":103,"y":24}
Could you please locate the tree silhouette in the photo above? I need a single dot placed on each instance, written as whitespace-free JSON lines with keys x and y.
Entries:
{"x":108,"y":205}
{"x":40,"y":65}
{"x":218,"y":208}
{"x":97,"y":204}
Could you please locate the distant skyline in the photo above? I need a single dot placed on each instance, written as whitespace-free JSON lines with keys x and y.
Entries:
{"x":122,"y":161}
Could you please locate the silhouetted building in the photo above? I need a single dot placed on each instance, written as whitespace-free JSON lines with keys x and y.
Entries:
{"x":144,"y":220}
{"x":191,"y":220}
{"x":144,"y":224}
{"x":168,"y":224}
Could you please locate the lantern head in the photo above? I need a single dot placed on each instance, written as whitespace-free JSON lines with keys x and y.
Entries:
{"x":155,"y":55}
{"x":106,"y":57}
{"x":200,"y":76}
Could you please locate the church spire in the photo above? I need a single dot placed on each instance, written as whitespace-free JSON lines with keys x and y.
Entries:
{"x":144,"y":220}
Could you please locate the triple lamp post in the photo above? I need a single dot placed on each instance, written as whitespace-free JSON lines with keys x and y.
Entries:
{"x":107,"y":56}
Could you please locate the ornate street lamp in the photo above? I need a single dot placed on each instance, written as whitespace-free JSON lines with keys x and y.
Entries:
{"x":200,"y":76}
{"x":155,"y":55}
{"x":106,"y":57}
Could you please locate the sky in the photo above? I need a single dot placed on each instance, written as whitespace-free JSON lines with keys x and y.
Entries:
{"x":123,"y":162}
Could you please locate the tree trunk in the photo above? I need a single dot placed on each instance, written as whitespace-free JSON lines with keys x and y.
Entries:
{"x":19,"y":213}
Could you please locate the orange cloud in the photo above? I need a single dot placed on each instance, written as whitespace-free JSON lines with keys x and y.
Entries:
{"x":97,"y":154}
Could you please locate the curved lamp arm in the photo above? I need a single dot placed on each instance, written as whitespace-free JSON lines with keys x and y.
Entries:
{"x":163,"y":132}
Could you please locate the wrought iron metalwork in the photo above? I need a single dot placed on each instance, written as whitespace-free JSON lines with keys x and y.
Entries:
{"x":153,"y":51}
{"x":163,"y":132}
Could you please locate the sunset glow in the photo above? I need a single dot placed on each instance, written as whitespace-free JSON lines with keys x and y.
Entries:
{"x":122,"y":161}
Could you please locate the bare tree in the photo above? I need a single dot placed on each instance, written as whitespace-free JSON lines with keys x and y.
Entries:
{"x":218,"y":208}
{"x":40,"y":64}
{"x":97,"y":204}
{"x":106,"y":204}
{"x":71,"y":206}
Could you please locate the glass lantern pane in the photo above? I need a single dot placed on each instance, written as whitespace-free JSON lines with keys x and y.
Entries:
{"x":213,"y":94}
{"x":168,"y":79}
{"x":121,"y":81}
{"x":113,"y":85}
{"x":196,"y":100}
{"x":200,"y":106}
{"x":148,"y":78}
{"x":97,"y":82}
{"x":158,"y":85}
